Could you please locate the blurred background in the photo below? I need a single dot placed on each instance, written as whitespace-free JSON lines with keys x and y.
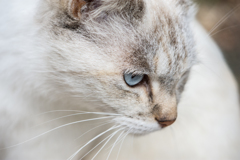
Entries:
{"x":221,"y":18}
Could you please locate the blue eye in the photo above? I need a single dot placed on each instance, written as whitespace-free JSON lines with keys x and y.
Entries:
{"x":132,"y":80}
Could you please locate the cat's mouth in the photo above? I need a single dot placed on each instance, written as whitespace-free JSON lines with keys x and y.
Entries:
{"x":137,"y":127}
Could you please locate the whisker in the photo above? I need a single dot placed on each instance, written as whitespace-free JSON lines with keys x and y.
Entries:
{"x":223,"y":19}
{"x":117,"y":142}
{"x":100,"y":113}
{"x":54,"y":130}
{"x":99,"y":135}
{"x":96,"y":146}
{"x":122,"y":144}
{"x":62,"y":118}
{"x":92,"y":129}
{"x":114,"y":145}
{"x":106,"y":143}
{"x":223,"y":30}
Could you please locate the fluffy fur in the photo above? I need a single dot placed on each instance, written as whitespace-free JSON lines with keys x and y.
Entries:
{"x":59,"y":61}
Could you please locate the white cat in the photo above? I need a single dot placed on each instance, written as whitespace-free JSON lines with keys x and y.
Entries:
{"x":102,"y":79}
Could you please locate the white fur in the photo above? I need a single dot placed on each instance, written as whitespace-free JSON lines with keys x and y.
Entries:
{"x":208,"y":126}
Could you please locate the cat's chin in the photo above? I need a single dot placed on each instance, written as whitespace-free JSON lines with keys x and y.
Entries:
{"x":137,"y":127}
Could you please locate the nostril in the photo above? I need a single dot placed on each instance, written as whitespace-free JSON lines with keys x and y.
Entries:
{"x":165,"y":123}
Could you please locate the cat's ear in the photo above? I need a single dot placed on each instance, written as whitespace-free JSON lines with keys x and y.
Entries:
{"x":77,"y":8}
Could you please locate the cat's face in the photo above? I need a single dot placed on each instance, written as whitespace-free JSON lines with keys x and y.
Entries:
{"x":131,"y":56}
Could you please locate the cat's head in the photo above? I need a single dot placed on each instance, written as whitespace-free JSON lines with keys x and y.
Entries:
{"x":131,"y":56}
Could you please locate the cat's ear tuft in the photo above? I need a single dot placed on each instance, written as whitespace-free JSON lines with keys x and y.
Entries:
{"x":77,"y":8}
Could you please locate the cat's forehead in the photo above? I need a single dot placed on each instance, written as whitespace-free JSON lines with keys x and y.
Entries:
{"x":161,"y":42}
{"x":139,"y":35}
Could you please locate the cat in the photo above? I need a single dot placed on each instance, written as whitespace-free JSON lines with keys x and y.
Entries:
{"x":113,"y":79}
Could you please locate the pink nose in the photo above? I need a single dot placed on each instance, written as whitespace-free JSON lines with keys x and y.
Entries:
{"x":165,"y":123}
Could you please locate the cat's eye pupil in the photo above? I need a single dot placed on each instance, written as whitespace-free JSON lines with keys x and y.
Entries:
{"x":133,"y":79}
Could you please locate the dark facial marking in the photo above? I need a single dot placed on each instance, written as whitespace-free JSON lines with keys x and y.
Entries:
{"x":172,"y":32}
{"x":139,"y":60}
{"x":181,"y":84}
{"x":69,"y":23}
{"x":143,"y":54}
{"x":133,"y":10}
{"x":168,"y":83}
{"x":148,"y":87}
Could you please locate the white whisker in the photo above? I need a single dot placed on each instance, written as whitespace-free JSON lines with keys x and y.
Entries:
{"x":223,"y":30}
{"x":122,"y":144}
{"x":62,"y":118}
{"x":99,"y":135}
{"x":54,"y":130}
{"x":114,"y":145}
{"x":92,"y":129}
{"x":100,"y":113}
{"x":223,"y":19}
{"x":96,"y":146}
{"x":106,"y":143}
{"x":120,"y":139}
